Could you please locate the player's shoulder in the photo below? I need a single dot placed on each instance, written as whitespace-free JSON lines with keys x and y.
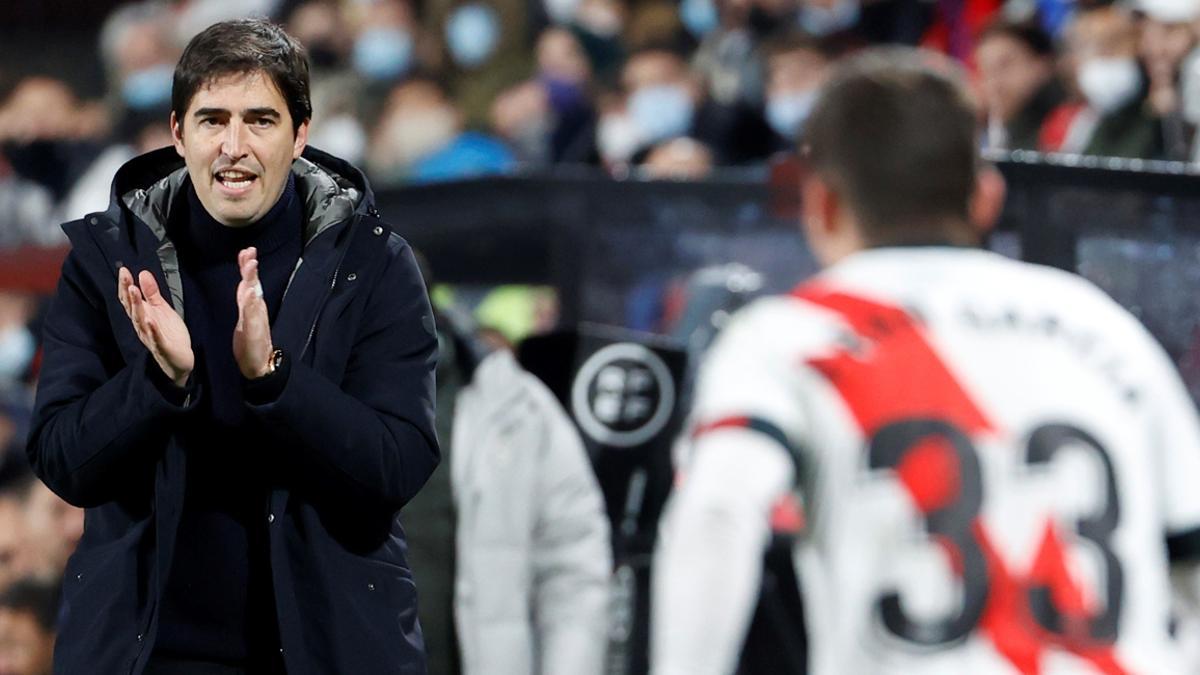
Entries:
{"x":1077,"y":296}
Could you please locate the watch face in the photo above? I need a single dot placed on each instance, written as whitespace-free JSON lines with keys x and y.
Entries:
{"x":276,"y":359}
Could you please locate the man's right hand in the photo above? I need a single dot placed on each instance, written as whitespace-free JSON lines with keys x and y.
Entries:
{"x":158,"y":326}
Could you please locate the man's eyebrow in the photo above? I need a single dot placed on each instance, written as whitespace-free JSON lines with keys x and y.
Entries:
{"x":265,"y":111}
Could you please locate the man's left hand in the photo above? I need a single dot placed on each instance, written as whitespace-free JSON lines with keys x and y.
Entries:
{"x":252,"y":346}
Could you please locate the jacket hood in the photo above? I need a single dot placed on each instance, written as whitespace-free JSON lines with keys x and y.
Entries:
{"x":147,"y":186}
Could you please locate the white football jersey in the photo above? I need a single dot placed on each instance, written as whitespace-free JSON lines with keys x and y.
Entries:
{"x":991,"y":457}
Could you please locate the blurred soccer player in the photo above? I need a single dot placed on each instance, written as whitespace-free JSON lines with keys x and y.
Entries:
{"x":995,"y":460}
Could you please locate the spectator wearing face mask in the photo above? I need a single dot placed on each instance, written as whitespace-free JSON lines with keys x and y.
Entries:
{"x":1168,"y":35}
{"x":551,"y":117}
{"x":137,"y":48}
{"x":421,"y":138}
{"x":27,"y":617}
{"x":18,"y":344}
{"x":1018,"y":87}
{"x":664,"y":100}
{"x":797,"y":66}
{"x":482,"y":48}
{"x":27,"y":209}
{"x":323,"y":27}
{"x":48,"y":136}
{"x":1113,"y":119}
{"x":386,"y":42}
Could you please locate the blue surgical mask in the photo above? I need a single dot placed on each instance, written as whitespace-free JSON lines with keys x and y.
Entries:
{"x":472,"y":33}
{"x":661,"y":112}
{"x":148,"y":88}
{"x":565,"y":96}
{"x":17,"y":349}
{"x":383,"y":54}
{"x":700,"y":17}
{"x":787,"y":113}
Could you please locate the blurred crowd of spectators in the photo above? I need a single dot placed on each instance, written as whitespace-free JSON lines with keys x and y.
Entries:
{"x":425,"y":90}
{"x":421,"y":90}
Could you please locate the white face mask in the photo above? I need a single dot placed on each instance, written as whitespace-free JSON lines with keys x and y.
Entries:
{"x":1109,"y":83}
{"x":617,"y":138}
{"x":661,"y":111}
{"x":17,"y":348}
{"x":1189,"y":77}
{"x":341,"y":135}
{"x":787,"y":113}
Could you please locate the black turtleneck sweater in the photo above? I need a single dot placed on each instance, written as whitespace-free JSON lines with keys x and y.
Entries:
{"x":219,"y":604}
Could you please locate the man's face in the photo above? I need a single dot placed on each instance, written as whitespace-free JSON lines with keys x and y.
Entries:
{"x":13,"y":554}
{"x":58,"y":527}
{"x":25,"y":647}
{"x":1010,"y":74}
{"x":795,"y":72}
{"x":1163,"y":46}
{"x":237,"y":141}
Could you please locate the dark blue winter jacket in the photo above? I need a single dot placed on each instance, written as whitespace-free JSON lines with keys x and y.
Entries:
{"x":352,"y":430}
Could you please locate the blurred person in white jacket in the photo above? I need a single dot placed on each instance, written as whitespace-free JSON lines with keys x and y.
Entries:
{"x":509,"y":539}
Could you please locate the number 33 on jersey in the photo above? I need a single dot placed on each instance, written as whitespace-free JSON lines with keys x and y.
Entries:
{"x":995,"y":460}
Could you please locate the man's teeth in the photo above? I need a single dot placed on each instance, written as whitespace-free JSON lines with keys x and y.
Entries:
{"x":236,"y":181}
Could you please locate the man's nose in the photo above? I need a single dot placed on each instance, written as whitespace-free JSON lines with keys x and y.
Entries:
{"x":232,"y":143}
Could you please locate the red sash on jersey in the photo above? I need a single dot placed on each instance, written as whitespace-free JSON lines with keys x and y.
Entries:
{"x":892,"y":373}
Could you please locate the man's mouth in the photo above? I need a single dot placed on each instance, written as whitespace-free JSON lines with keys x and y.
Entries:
{"x":235,"y":179}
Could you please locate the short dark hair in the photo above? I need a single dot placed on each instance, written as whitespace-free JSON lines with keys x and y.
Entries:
{"x":239,"y":47}
{"x":1027,"y":33}
{"x":894,"y":130}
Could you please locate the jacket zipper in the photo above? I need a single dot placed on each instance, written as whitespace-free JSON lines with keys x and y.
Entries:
{"x":332,"y":284}
{"x":313,"y":328}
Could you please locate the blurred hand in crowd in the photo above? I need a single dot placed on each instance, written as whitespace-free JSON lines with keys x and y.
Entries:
{"x":678,"y":159}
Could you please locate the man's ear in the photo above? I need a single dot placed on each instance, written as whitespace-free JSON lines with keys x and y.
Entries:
{"x":819,"y":205}
{"x":301,"y":140}
{"x":824,"y":220}
{"x":987,"y":202}
{"x":176,"y":134}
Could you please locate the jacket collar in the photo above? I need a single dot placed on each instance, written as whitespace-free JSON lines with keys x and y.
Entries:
{"x":147,"y":186}
{"x":133,"y":230}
